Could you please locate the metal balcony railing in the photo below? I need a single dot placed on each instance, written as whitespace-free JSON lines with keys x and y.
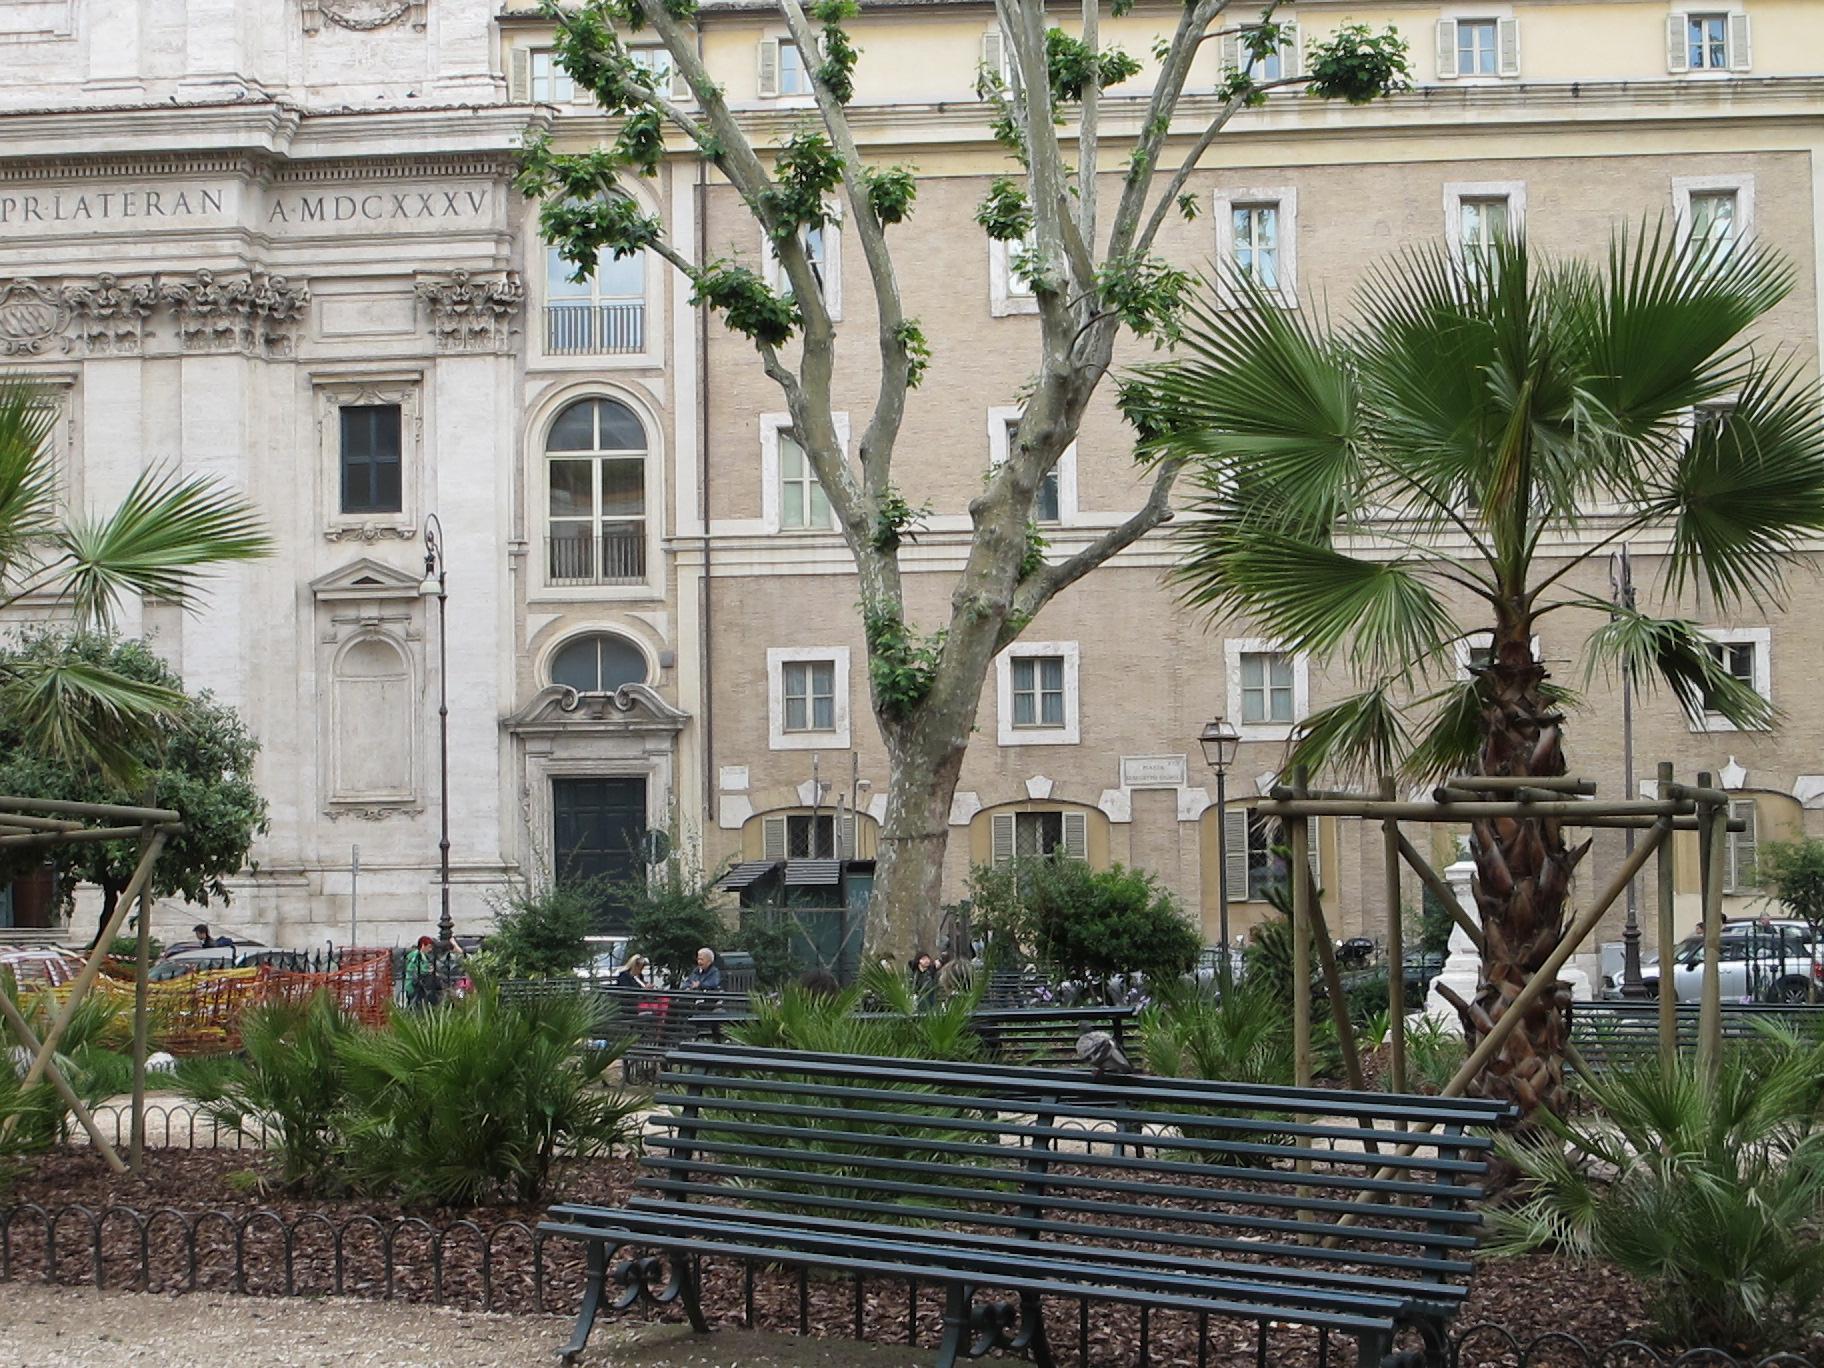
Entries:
{"x":615,"y":557}
{"x":595,"y":329}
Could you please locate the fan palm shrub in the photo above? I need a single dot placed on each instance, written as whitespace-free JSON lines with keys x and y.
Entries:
{"x":474,"y":1100}
{"x":1459,"y":456}
{"x":288,"y":1091}
{"x":1710,"y":1191}
{"x":163,"y":532}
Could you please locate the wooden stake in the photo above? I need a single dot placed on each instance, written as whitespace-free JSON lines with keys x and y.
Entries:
{"x":1710,"y":1007}
{"x":29,"y":1040}
{"x":1668,"y":990}
{"x":1396,"y":946}
{"x":1439,"y":889}
{"x":136,"y":1149}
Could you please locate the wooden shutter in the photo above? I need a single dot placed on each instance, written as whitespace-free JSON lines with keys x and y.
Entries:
{"x":1235,"y":851}
{"x":1742,"y":851}
{"x":994,"y":52}
{"x":1508,"y":46}
{"x":1314,"y":843}
{"x":772,"y":838}
{"x":1000,"y":827}
{"x":1741,"y":51}
{"x":1678,"y":41}
{"x":1447,"y":49}
{"x":519,"y":76}
{"x":1291,"y":57}
{"x":848,"y":850}
{"x":769,"y":67}
{"x":1076,"y":836}
{"x":1231,"y":52}
{"x":680,"y":84}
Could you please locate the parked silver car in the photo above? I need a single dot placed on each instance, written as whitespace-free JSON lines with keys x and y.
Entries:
{"x":1766,"y":960}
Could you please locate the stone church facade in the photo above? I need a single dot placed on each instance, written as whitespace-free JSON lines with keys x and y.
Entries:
{"x":279,"y":244}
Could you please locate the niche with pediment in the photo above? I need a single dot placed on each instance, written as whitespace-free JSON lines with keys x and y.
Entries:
{"x":370,"y":655}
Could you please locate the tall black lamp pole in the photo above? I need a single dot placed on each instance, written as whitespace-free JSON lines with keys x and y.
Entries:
{"x":1220,"y":742}
{"x":436,"y":586}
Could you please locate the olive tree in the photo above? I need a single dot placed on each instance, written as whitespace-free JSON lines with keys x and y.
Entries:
{"x":1093,"y":268}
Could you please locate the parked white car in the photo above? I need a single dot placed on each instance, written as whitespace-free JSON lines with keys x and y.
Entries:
{"x":1766,"y":960}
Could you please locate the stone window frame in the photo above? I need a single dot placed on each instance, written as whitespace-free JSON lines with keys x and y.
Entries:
{"x":1761,"y":638}
{"x":771,"y":425}
{"x":331,"y":393}
{"x":1004,"y":301}
{"x":1001,"y":418}
{"x":832,"y":263}
{"x":1455,"y":192}
{"x":1070,"y":733}
{"x":1507,"y":44}
{"x":835,"y":738}
{"x":1233,"y":649}
{"x":1285,"y":199}
{"x":1741,"y":183}
{"x":338,"y":796}
{"x":1738,"y":34}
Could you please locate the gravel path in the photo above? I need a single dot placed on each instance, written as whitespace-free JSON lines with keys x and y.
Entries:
{"x":59,"y":1327}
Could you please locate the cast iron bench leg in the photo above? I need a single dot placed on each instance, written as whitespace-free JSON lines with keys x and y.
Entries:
{"x":689,"y":1291}
{"x":956,"y":1326}
{"x":1032,"y":1314}
{"x":592,"y":1299}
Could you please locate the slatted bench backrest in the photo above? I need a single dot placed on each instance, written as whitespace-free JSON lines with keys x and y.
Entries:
{"x":1050,"y":1155}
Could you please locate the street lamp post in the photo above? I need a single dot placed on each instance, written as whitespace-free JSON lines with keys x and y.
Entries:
{"x":1220,"y":742}
{"x":436,"y":586}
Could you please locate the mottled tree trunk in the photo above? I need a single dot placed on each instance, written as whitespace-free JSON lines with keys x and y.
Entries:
{"x":1523,"y":868}
{"x":907,"y":909}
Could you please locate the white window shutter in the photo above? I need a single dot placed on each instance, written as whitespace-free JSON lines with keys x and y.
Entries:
{"x":1076,"y":836}
{"x":1742,"y":847}
{"x":1508,"y":43}
{"x":1235,"y":851}
{"x":1741,"y":50}
{"x":1231,"y":52}
{"x":1314,"y":843}
{"x":772,"y":838}
{"x":1000,"y":827}
{"x":1447,"y":49}
{"x":519,"y":76}
{"x":849,"y":850}
{"x":1291,"y":54}
{"x":994,"y":52}
{"x":1678,"y":42}
{"x":769,"y":67}
{"x":680,"y":84}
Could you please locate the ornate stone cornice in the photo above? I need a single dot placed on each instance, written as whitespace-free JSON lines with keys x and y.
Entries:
{"x":362,"y":16}
{"x":256,"y":313}
{"x":370,"y":532}
{"x":470,"y":315}
{"x":108,"y":315}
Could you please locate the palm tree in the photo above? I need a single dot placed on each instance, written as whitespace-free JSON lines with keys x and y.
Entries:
{"x":80,"y":564}
{"x":1473,"y":437}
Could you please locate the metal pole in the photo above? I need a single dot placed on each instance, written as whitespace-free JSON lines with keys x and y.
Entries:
{"x":1396,"y":946}
{"x":1300,"y":834}
{"x":1668,"y":989}
{"x":1224,"y":974}
{"x":1710,"y":1008}
{"x":354,"y":894}
{"x":136,"y":1148}
{"x":446,"y":927}
{"x":1631,"y":985}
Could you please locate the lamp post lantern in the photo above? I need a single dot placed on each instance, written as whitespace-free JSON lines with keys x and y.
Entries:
{"x":435,"y":585}
{"x":1220,"y":741}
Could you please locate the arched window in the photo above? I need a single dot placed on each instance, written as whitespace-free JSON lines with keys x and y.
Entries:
{"x":596,"y":467}
{"x":374,"y":719}
{"x":598,"y":663}
{"x":604,"y":313}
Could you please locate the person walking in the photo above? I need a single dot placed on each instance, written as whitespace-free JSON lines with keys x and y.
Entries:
{"x":924,"y":978}
{"x":422,"y":986}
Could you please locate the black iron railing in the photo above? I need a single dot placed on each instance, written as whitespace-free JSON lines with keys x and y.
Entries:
{"x":615,"y":557}
{"x":595,"y":329}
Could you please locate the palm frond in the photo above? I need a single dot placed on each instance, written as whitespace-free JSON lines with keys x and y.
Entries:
{"x":165,"y":529}
{"x":1451,"y":742}
{"x":1748,"y":488}
{"x":83,"y":712}
{"x":1674,"y":652}
{"x":1362,"y":736}
{"x":27,"y":472}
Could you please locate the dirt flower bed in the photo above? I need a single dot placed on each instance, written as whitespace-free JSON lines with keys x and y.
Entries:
{"x":488,"y":1256}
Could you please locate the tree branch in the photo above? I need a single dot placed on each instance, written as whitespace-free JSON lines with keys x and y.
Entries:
{"x":1038,"y":589}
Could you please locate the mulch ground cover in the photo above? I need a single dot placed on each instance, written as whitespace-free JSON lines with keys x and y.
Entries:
{"x":487,"y":1256}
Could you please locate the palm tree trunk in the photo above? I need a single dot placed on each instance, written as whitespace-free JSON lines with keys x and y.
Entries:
{"x":1523,"y":868}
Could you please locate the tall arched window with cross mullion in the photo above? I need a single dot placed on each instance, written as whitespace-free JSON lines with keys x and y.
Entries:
{"x":595,"y":459}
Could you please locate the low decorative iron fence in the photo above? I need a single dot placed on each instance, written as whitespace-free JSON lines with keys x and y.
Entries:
{"x":509,"y":1266}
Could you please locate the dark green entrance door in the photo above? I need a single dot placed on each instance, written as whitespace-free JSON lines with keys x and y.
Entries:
{"x":596,"y":829}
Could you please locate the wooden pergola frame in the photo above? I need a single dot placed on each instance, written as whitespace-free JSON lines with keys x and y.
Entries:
{"x":1678,"y":807}
{"x":46,"y":822}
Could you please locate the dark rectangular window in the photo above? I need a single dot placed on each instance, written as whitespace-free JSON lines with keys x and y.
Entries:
{"x":370,"y":458}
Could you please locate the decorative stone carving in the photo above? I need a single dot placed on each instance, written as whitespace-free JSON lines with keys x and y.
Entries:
{"x":369,"y":533}
{"x":108,"y":315}
{"x":362,"y":16}
{"x":254,"y":314}
{"x":371,"y":814}
{"x":473,"y":315}
{"x":30,"y":316}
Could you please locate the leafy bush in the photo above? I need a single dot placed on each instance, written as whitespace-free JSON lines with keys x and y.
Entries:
{"x":127,"y":948}
{"x":1093,"y":924}
{"x":473,"y":1101}
{"x":673,"y":916}
{"x":879,"y":1014}
{"x":1711,"y":1193}
{"x":289,"y":1092}
{"x":1245,"y":1037}
{"x":766,"y":934}
{"x":542,"y":933}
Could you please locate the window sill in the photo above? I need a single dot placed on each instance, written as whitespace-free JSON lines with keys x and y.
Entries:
{"x":1266,"y":731}
{"x":1039,"y":736}
{"x":812,"y":741}
{"x":590,"y":593}
{"x":1710,"y":723}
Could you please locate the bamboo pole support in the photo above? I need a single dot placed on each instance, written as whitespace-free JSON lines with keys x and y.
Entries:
{"x":1339,"y":1005}
{"x":24,"y":823}
{"x":29,"y":1040}
{"x":142,"y":965}
{"x":1569,"y":810}
{"x":1701,"y":792}
{"x":79,"y":989}
{"x":1439,"y":889}
{"x":1710,"y":1008}
{"x":1546,"y":975}
{"x":1510,"y":783}
{"x":1396,"y":945}
{"x":87,"y":836}
{"x":66,"y":808}
{"x":1664,"y":898}
{"x":1299,"y":833}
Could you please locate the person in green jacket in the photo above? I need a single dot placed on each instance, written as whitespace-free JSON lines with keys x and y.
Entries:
{"x":422,"y":986}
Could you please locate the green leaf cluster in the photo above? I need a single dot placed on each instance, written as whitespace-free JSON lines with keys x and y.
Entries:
{"x":540,"y":932}
{"x":896,"y":521}
{"x":891,"y":190}
{"x":1147,"y":293}
{"x":1359,"y":65}
{"x":837,"y":70}
{"x":805,"y":172}
{"x":671,"y":916}
{"x":910,"y":338}
{"x":1793,"y":871}
{"x":902,"y":665}
{"x":746,"y":302}
{"x":1072,"y":67}
{"x":1006,"y":211}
